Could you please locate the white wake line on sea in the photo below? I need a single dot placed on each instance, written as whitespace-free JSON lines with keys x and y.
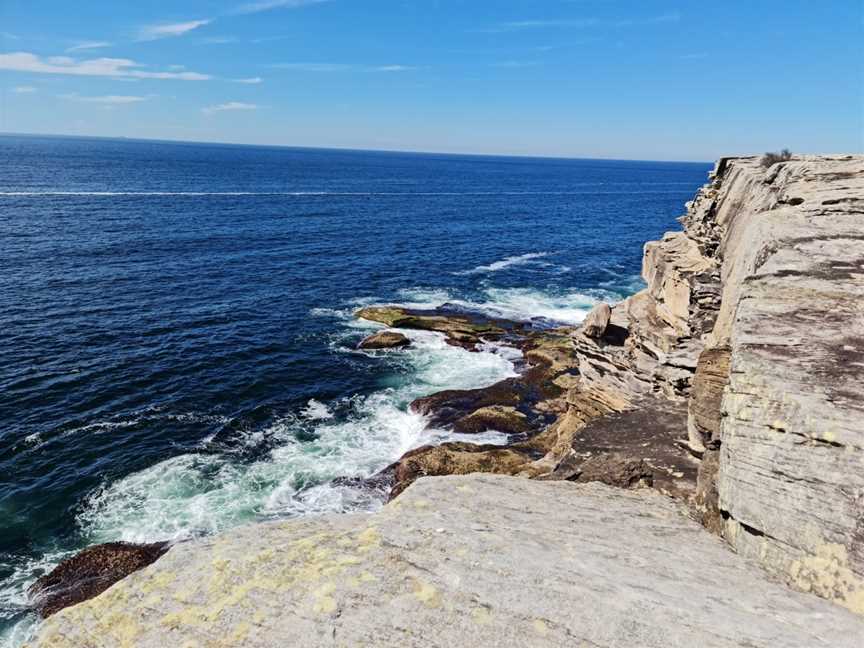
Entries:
{"x":294,"y":194}
{"x":507,"y":262}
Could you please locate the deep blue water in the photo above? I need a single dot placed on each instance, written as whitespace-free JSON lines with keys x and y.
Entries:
{"x":176,"y":340}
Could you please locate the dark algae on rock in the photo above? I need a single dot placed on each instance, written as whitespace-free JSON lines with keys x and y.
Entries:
{"x":90,"y":572}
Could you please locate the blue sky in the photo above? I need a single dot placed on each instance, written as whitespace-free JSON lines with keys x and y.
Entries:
{"x":577,"y":78}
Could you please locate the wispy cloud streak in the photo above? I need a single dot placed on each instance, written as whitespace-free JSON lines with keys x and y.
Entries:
{"x":108,"y":100}
{"x":100,"y":67}
{"x":88,"y":45}
{"x":169,"y":30}
{"x":267,"y":5}
{"x":229,"y":106}
{"x":341,"y":67}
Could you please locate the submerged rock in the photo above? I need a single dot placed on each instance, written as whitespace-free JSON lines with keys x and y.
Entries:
{"x":479,"y":560}
{"x":385,"y":340}
{"x":90,"y":572}
{"x":461,"y":329}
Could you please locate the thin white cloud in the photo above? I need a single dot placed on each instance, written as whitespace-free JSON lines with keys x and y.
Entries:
{"x":231,"y":105}
{"x":107,"y":100}
{"x":23,"y":89}
{"x":88,"y":45}
{"x":341,"y":67}
{"x":104,"y":67}
{"x":313,"y":67}
{"x":393,"y":68}
{"x":518,"y":25}
{"x":168,"y":30}
{"x":219,"y":40}
{"x":267,"y":5}
{"x":514,"y":64}
{"x":666,"y":18}
{"x":251,"y":80}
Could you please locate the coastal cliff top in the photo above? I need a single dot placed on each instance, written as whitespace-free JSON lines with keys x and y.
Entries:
{"x":476,"y":560}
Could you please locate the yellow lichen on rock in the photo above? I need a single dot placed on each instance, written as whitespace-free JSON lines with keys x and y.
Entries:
{"x":827,"y":574}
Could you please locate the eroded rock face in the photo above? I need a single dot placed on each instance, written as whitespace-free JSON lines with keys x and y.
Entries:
{"x":90,"y":572}
{"x":709,"y":382}
{"x":597,"y":320}
{"x":790,"y":479}
{"x":385,"y":340}
{"x":751,"y":325}
{"x":480,"y":560}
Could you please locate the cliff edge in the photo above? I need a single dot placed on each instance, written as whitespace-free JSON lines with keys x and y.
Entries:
{"x":479,"y":560}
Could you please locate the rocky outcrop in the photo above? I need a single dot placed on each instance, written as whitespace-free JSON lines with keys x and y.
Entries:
{"x":479,"y":560}
{"x":460,"y":329}
{"x":735,"y":376}
{"x":89,"y":573}
{"x":384,"y":340}
{"x":455,"y":459}
{"x":596,"y":321}
{"x":790,"y":472}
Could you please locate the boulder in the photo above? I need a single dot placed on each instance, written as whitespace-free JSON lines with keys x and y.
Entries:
{"x":89,"y":573}
{"x":455,"y":458}
{"x":385,"y":340}
{"x":597,"y":320}
{"x":613,"y":469}
{"x":495,"y":417}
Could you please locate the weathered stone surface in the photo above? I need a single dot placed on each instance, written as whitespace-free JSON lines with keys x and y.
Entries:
{"x":385,"y":340}
{"x":647,"y":437}
{"x":494,"y":417}
{"x":612,"y":469}
{"x":89,"y":573}
{"x":597,"y":320}
{"x":790,"y":479}
{"x":481,"y":560}
{"x":455,"y":458}
{"x":711,"y":378}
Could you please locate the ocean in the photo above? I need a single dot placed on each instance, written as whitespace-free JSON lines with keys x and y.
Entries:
{"x":177,"y":341}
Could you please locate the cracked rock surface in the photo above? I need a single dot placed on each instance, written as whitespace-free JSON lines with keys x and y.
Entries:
{"x":479,"y":560}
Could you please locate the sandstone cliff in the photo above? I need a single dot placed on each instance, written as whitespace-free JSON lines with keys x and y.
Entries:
{"x":732,"y":385}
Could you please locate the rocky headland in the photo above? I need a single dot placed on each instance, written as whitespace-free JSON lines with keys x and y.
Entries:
{"x":718,"y":413}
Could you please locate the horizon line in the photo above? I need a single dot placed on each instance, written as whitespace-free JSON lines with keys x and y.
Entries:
{"x":360,"y":150}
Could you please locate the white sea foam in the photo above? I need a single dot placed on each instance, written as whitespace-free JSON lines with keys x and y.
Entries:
{"x":202,"y":493}
{"x":568,"y":307}
{"x":507,"y":262}
{"x":14,"y":598}
{"x":317,"y":411}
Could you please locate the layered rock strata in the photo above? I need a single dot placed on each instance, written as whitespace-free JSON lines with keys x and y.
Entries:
{"x":752,"y":322}
{"x":479,"y":560}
